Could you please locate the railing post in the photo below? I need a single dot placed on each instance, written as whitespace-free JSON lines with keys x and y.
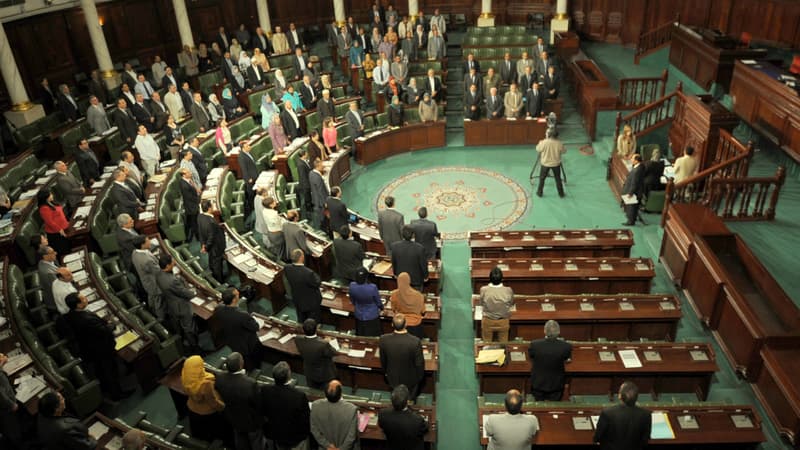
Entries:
{"x":780,"y":176}
{"x":667,"y":200}
{"x":616,"y":132}
{"x":664,"y":76}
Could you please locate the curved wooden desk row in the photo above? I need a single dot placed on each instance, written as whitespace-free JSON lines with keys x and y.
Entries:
{"x":598,"y":368}
{"x":694,"y":426}
{"x":382,"y":144}
{"x":592,"y":317}
{"x":26,"y":204}
{"x":337,"y":309}
{"x":78,"y":231}
{"x":358,"y":362}
{"x":504,"y":131}
{"x":147,"y":223}
{"x":551,"y":243}
{"x":568,"y":276}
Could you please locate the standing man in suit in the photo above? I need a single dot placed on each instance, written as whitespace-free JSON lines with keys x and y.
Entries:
{"x":159,"y":110}
{"x":237,"y":329}
{"x":212,"y":240}
{"x":425,"y":233}
{"x":304,"y":284}
{"x":200,"y":113}
{"x":57,"y":431}
{"x":240,"y":394}
{"x":633,"y":188}
{"x":534,"y":102}
{"x":404,"y":429}
{"x":9,"y":410}
{"x":124,"y":121}
{"x":177,"y":295}
{"x":191,"y":204}
{"x":308,"y":93}
{"x":494,"y":105}
{"x":334,"y":422}
{"x":355,"y":120}
{"x":512,"y":102}
{"x":401,"y":357}
{"x":472,"y":103}
{"x":348,"y":254}
{"x":337,"y":210}
{"x":548,"y":357}
{"x":68,"y":187}
{"x":390,"y":225}
{"x":286,"y":411}
{"x":97,"y":88}
{"x":143,"y":87}
{"x":511,"y":430}
{"x":433,"y":85}
{"x":317,"y":354}
{"x":552,"y":83}
{"x":222,"y":39}
{"x":491,"y":80}
{"x":255,"y":76}
{"x":543,"y":65}
{"x":409,"y":257}
{"x":169,"y":79}
{"x":67,"y":103}
{"x":145,"y":263}
{"x":289,"y":120}
{"x":508,"y":70}
{"x":249,"y":169}
{"x":472,"y":63}
{"x":48,"y":270}
{"x":624,"y":426}
{"x":141,"y":111}
{"x":96,"y":116}
{"x":126,"y":237}
{"x":526,"y":80}
{"x":88,"y":165}
{"x":473,"y":78}
{"x":524,"y":62}
{"x":540,"y":47}
{"x":124,"y":198}
{"x":319,"y":193}
{"x":198,"y":159}
{"x":293,"y":235}
{"x":303,"y":185}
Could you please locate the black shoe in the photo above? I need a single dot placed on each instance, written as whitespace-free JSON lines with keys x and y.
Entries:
{"x":538,"y":194}
{"x":561,"y":194}
{"x":628,"y":224}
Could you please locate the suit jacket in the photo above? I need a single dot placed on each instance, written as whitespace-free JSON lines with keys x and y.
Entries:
{"x":299,"y":68}
{"x":70,"y":110}
{"x":125,"y":242}
{"x":390,"y":227}
{"x":160,"y":112}
{"x":286,"y":411}
{"x":317,"y":357}
{"x":289,"y":126}
{"x":97,"y":89}
{"x":404,"y":430}
{"x":63,"y":433}
{"x":247,"y":164}
{"x":552,"y":83}
{"x":146,"y":266}
{"x":326,"y":109}
{"x":70,"y":188}
{"x":47,"y":274}
{"x":88,"y":166}
{"x":200,"y":114}
{"x":425,"y":233}
{"x":437,"y":86}
{"x":143,"y":115}
{"x":303,"y":170}
{"x":199,"y":162}
{"x":475,"y":63}
{"x":508,"y":71}
{"x":338,"y":213}
{"x":623,"y":427}
{"x":526,"y":81}
{"x":354,"y":124}
{"x":401,"y":359}
{"x":166,"y":81}
{"x":470,"y":101}
{"x":240,"y":394}
{"x":237,"y":330}
{"x":175,"y":294}
{"x":211,"y":234}
{"x":634,"y":183}
{"x":295,"y":238}
{"x":349,"y":257}
{"x":191,"y":199}
{"x":319,"y":192}
{"x":494,"y":106}
{"x":126,"y":123}
{"x":469,"y":80}
{"x":306,"y":94}
{"x":512,"y":102}
{"x":95,"y":336}
{"x":410,"y":257}
{"x":548,"y":357}
{"x":335,"y":424}
{"x":541,"y":67}
{"x":262,"y":43}
{"x":534,"y":103}
{"x":125,"y":200}
{"x":294,"y":43}
{"x":97,"y":119}
{"x":305,"y":284}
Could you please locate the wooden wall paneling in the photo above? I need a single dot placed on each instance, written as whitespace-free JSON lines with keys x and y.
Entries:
{"x":516,"y":11}
{"x":42,"y":48}
{"x":634,"y":17}
{"x":205,"y":20}
{"x":693,"y":12}
{"x":720,"y":14}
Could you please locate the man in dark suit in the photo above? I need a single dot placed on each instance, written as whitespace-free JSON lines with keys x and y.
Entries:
{"x":337,"y":210}
{"x":632,"y":190}
{"x":304,"y":284}
{"x":508,"y":69}
{"x":494,"y":105}
{"x":285,"y":409}
{"x":433,"y":85}
{"x":249,"y":169}
{"x":68,"y":187}
{"x":534,"y":101}
{"x":317,"y":356}
{"x":212,"y":240}
{"x":126,"y":237}
{"x":261,"y":42}
{"x":303,"y":185}
{"x":159,"y":110}
{"x":472,"y":103}
{"x":526,"y":80}
{"x":425,"y":232}
{"x":170,"y":78}
{"x":552,"y":83}
{"x":198,"y":159}
{"x":255,"y":76}
{"x":404,"y":429}
{"x":223,"y":39}
{"x":472,"y":63}
{"x":355,"y":120}
{"x":319,"y":194}
{"x":300,"y":62}
{"x":88,"y":165}
{"x":390,"y":225}
{"x":125,"y":199}
{"x":177,"y":295}
{"x":624,"y":426}
{"x":67,"y":103}
{"x":543,"y":64}
{"x":122,"y":118}
{"x":240,"y":394}
{"x":10,"y":411}
{"x":191,"y":204}
{"x":98,"y":88}
{"x":57,"y":431}
{"x":141,"y":111}
{"x":237,"y":329}
{"x":294,"y":236}
{"x":47,"y":268}
{"x":289,"y":120}
{"x":308,"y":94}
{"x":95,"y":338}
{"x":199,"y":112}
{"x":348,"y":254}
{"x":401,"y":357}
{"x":409,"y":257}
{"x":548,"y":357}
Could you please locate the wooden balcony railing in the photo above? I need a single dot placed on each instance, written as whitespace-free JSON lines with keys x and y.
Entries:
{"x":637,"y":92}
{"x":654,"y":39}
{"x":651,"y":116}
{"x":752,"y":198}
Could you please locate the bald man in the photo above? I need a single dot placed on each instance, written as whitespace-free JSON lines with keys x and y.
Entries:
{"x":512,"y":430}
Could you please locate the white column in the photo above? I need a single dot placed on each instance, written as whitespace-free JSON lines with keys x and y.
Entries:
{"x":560,"y":21}
{"x":98,"y":38}
{"x":338,"y":12}
{"x":22,"y":111}
{"x":561,"y":9}
{"x":413,"y":9}
{"x":263,"y":16}
{"x":486,"y":18}
{"x":184,"y":27}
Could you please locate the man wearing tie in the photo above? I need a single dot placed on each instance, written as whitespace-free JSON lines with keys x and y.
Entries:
{"x":191,"y":204}
{"x":212,"y":240}
{"x":142,"y":114}
{"x":552,"y":83}
{"x":433,"y":85}
{"x":542,"y":65}
{"x":319,"y":193}
{"x":301,"y":63}
{"x":508,"y":72}
{"x":512,"y":102}
{"x":534,"y":100}
{"x":68,"y":187}
{"x":88,"y":165}
{"x":473,"y":79}
{"x":68,"y":105}
{"x":524,"y":62}
{"x":124,"y":198}
{"x":355,"y":121}
{"x":200,"y":113}
{"x":307,"y":93}
{"x":472,"y":63}
{"x":249,"y":170}
{"x":143,"y":87}
{"x":526,"y":80}
{"x":124,"y":121}
{"x":472,"y":103}
{"x":634,"y":188}
{"x":96,"y":116}
{"x":494,"y":105}
{"x":540,"y":47}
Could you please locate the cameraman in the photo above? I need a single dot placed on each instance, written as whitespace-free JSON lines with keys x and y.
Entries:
{"x":550,"y":150}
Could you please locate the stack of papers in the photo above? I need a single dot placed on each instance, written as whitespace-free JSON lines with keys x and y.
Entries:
{"x":28,"y":386}
{"x":125,"y":339}
{"x":16,"y":362}
{"x":271,"y":334}
{"x":630,"y":359}
{"x":98,"y":430}
{"x":495,"y":356}
{"x":661,"y":428}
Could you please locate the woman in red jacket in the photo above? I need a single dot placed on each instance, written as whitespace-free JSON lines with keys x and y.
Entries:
{"x":55,"y":222}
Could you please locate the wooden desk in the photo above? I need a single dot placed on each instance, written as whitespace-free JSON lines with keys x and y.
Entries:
{"x":147,"y":223}
{"x":704,"y":61}
{"x":592,"y":90}
{"x":676,"y":372}
{"x":716,"y":428}
{"x":767,"y":104}
{"x":252,"y":265}
{"x":355,"y":371}
{"x":734,"y":294}
{"x":78,"y":231}
{"x":567,"y":276}
{"x":567,"y":44}
{"x":778,"y":388}
{"x":280,"y":162}
{"x":504,"y":131}
{"x":382,"y":144}
{"x":337,"y":167}
{"x":338,"y":310}
{"x":381,"y":269}
{"x":551,"y":243}
{"x":114,"y":430}
{"x":611,"y":317}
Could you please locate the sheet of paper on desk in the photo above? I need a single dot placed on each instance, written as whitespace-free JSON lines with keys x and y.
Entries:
{"x":259,"y":321}
{"x":661,"y":428}
{"x":197,"y":301}
{"x":329,"y":294}
{"x":271,"y":334}
{"x":485,"y":421}
{"x":241,"y":258}
{"x":98,"y":430}
{"x":16,"y":362}
{"x":75,"y":266}
{"x":581,"y":423}
{"x":30,"y":388}
{"x":353,"y":353}
{"x":335,"y":344}
{"x":382,"y":267}
{"x":96,"y":305}
{"x":147,"y":215}
{"x":339,"y":312}
{"x":630,"y":359}
{"x":125,"y":340}
{"x":115,"y":443}
{"x":478,"y":313}
{"x":286,"y":338}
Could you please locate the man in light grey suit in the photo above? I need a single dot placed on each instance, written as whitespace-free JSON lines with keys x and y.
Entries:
{"x":512,"y":430}
{"x":355,"y":120}
{"x":199,"y":112}
{"x":425,"y":233}
{"x":47,"y":268}
{"x":96,"y":116}
{"x":146,"y":265}
{"x":334,"y":422}
{"x":293,"y":235}
{"x":319,"y":193}
{"x":69,"y":187}
{"x":390,"y":225}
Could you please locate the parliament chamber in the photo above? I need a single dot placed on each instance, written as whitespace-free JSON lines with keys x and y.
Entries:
{"x":263,"y":224}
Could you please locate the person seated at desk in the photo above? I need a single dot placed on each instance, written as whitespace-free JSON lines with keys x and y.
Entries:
{"x":57,"y":431}
{"x":512,"y":430}
{"x":428,"y":110}
{"x":625,"y":425}
{"x":548,"y":357}
{"x":653,"y":171}
{"x":317,"y":354}
{"x":396,"y":112}
{"x":496,"y":301}
{"x":685,"y":166}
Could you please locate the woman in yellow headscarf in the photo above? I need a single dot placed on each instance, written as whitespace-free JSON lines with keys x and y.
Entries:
{"x":205,"y":404}
{"x":409,"y":301}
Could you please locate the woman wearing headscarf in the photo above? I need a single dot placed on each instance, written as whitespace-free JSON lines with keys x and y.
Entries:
{"x":409,"y":301}
{"x":392,"y":89}
{"x":316,"y":149}
{"x":356,"y":54}
{"x":222,"y":136}
{"x":277,"y":135}
{"x":369,"y":65}
{"x":261,"y":59}
{"x":396,"y":112}
{"x":412,"y":92}
{"x":268,"y":109}
{"x":215,"y":109}
{"x":428,"y":111}
{"x":367,"y":303}
{"x":280,"y":83}
{"x":230,"y":104}
{"x":55,"y":221}
{"x":238,"y":82}
{"x":294,"y":98}
{"x":204,"y":403}
{"x":244,"y":61}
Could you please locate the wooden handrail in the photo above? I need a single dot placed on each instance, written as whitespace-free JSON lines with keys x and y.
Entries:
{"x":654,"y":39}
{"x":650,"y":117}
{"x":638,"y":92}
{"x":746,"y":198}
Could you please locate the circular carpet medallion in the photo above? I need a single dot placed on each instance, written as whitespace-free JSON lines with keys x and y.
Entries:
{"x":459,"y":199}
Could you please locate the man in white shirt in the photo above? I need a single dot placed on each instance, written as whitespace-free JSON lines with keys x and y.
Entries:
{"x":144,"y":87}
{"x":686,"y":165}
{"x":174,"y":103}
{"x":438,"y":21}
{"x":127,"y":161}
{"x":512,"y":430}
{"x":380,"y":75}
{"x":62,"y":287}
{"x":149,"y":151}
